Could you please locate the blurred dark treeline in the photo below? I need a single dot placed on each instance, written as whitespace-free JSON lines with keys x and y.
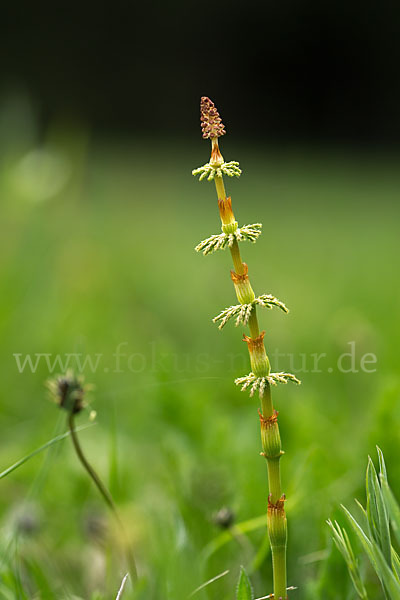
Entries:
{"x":288,"y":69}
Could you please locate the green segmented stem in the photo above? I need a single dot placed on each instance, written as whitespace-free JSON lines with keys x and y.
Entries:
{"x":279,"y":568}
{"x":260,"y":377}
{"x":276,"y":518}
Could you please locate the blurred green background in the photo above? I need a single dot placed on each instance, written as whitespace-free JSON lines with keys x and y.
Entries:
{"x":97,"y":238}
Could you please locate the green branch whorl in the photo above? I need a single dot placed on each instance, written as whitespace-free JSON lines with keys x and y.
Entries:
{"x":224,"y":240}
{"x":242,"y":312}
{"x":260,"y":383}
{"x":209,"y":170}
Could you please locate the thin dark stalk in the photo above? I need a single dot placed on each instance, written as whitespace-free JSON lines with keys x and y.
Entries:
{"x":104,"y":493}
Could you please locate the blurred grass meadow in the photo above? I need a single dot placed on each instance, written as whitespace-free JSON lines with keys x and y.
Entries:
{"x":98,"y":269}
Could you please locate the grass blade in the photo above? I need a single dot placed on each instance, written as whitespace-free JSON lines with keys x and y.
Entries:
{"x":382,"y":465}
{"x":244,"y":590}
{"x":396,"y":563}
{"x":122,"y":587}
{"x":378,"y":517}
{"x":25,"y":459}
{"x":392,"y":508}
{"x":206,"y":583}
{"x":372,"y":510}
{"x":343,"y":544}
{"x":387,"y":575}
{"x":365,"y":542}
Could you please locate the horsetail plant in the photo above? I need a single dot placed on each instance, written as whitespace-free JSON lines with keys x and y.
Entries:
{"x":260,"y":379}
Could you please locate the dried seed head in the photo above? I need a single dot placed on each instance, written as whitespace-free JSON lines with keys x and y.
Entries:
{"x":211,"y":124}
{"x":68,"y":391}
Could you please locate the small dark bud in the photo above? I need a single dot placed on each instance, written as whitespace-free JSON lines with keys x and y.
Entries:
{"x":224,"y":518}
